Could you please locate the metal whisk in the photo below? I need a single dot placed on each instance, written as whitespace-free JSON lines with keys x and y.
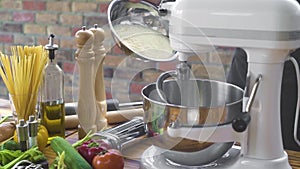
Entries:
{"x":119,"y":135}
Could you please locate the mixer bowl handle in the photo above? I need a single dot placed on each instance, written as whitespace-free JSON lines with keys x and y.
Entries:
{"x":160,"y":81}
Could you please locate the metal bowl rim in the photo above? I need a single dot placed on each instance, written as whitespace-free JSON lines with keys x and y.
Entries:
{"x":185,"y":107}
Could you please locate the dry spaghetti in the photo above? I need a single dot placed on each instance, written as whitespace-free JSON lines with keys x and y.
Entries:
{"x":22,"y":74}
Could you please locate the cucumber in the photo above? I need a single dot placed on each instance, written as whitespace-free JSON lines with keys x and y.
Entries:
{"x":73,"y":159}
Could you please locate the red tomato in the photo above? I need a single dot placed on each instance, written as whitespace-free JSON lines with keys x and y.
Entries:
{"x":111,"y":159}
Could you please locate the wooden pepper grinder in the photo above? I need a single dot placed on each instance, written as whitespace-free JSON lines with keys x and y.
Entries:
{"x":100,"y":95}
{"x":85,"y":58}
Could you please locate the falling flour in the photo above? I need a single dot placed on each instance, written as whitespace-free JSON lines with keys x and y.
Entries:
{"x":145,"y":42}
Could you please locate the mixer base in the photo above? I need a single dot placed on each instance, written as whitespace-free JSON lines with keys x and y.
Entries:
{"x":251,"y":163}
{"x":153,"y":158}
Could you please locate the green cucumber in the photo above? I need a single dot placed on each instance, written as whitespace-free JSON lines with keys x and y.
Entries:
{"x":73,"y":159}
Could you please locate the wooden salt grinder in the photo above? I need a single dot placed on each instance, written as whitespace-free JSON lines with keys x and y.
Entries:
{"x":85,"y":58}
{"x":100,"y":95}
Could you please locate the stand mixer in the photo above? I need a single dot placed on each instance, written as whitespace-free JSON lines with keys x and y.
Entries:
{"x":268,"y":31}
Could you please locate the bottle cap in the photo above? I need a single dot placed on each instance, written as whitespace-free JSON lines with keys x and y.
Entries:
{"x":51,"y":47}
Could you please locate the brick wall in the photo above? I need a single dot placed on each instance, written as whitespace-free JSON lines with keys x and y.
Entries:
{"x":29,"y":22}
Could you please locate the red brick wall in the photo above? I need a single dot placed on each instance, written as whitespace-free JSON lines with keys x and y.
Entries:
{"x":29,"y":22}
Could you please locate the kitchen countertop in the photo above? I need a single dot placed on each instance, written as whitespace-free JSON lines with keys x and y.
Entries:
{"x":72,"y":136}
{"x":138,"y":149}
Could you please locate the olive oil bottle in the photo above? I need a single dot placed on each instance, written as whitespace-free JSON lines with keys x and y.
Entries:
{"x":52,"y":106}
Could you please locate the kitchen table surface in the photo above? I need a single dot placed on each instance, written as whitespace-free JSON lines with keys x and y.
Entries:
{"x":137,"y":150}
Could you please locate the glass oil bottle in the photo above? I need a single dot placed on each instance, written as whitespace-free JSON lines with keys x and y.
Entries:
{"x":52,"y":106}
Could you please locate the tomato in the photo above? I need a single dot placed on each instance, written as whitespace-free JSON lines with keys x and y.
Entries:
{"x":110,"y":159}
{"x":89,"y":149}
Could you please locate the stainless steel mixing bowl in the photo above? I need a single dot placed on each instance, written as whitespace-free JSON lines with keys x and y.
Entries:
{"x":215,"y":103}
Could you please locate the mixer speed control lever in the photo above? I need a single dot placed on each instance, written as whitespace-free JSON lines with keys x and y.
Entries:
{"x":240,"y":123}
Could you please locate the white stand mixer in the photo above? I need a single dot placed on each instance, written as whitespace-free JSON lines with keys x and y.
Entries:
{"x":267,"y":30}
